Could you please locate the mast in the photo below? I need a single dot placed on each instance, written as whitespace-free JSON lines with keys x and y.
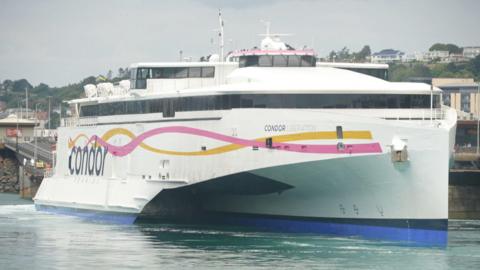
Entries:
{"x":220,"y":35}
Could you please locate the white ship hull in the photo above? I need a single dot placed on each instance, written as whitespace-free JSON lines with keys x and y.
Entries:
{"x":305,"y":178}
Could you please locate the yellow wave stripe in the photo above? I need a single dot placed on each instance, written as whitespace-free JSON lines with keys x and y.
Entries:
{"x":71,"y":143}
{"x":305,"y":136}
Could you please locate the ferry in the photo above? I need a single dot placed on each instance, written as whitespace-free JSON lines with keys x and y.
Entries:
{"x":265,"y":137}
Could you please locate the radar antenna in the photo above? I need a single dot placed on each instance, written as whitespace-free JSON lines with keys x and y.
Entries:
{"x":272,"y":41}
{"x":270,"y":35}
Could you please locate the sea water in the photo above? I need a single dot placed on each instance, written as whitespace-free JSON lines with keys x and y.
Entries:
{"x":37,"y":240}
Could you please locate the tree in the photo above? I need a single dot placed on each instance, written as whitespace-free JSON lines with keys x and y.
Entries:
{"x":401,"y":72}
{"x":21,"y":85}
{"x":332,"y":56}
{"x":110,"y":75}
{"x":362,"y":54}
{"x":343,"y":54}
{"x":121,"y":72}
{"x":451,"y":48}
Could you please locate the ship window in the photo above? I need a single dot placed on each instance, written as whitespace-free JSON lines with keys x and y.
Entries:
{"x":118,"y":107}
{"x":280,"y":61}
{"x":88,"y":110}
{"x":135,"y":107}
{"x":181,"y":72}
{"x":307,"y":61}
{"x":168,"y":73}
{"x":208,"y":72}
{"x":168,"y":108}
{"x":265,"y":61}
{"x":294,"y":61}
{"x":143,"y":73}
{"x":157,"y":73}
{"x":294,"y":101}
{"x":194,"y":72}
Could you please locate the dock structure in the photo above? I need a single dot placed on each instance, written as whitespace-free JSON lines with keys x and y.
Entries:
{"x":31,"y":161}
{"x":464,"y":187}
{"x":24,"y":158}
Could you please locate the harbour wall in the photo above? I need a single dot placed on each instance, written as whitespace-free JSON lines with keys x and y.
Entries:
{"x":464,"y":195}
{"x":8,"y":172}
{"x":18,"y":178}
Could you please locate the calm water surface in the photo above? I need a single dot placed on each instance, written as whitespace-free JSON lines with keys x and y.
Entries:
{"x":36,"y":240}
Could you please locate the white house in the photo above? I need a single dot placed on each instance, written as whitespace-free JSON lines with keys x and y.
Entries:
{"x":387,"y":56}
{"x":471,"y":52}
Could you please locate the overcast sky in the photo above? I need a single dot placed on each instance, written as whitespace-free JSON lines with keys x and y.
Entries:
{"x":61,"y":42}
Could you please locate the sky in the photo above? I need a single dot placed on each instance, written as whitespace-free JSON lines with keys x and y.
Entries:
{"x":58,"y":42}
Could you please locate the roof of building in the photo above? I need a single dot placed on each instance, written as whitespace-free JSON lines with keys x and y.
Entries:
{"x":12,"y":120}
{"x":388,"y":52}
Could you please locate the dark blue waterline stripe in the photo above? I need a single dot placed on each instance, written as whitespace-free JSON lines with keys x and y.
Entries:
{"x":412,"y":236}
{"x":93,"y":215}
{"x":428,"y":224}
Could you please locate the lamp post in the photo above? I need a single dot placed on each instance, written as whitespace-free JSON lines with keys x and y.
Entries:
{"x":34,"y":136}
{"x":478,"y":118}
{"x":16,"y":147}
{"x":26,"y":101}
{"x":49,"y":101}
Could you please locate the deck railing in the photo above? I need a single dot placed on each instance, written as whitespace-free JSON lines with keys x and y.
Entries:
{"x":76,"y":121}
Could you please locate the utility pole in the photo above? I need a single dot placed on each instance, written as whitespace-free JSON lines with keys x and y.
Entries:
{"x":26,"y":101}
{"x":49,"y":99}
{"x":478,"y":118}
{"x":431,"y":102}
{"x":35,"y":137}
{"x":16,"y":149}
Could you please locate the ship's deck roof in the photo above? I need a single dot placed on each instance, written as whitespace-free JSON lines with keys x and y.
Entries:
{"x":291,"y":80}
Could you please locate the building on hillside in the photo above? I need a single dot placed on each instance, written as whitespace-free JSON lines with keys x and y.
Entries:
{"x":461,"y":94}
{"x":411,"y":57}
{"x":387,"y":56}
{"x":3,"y":106}
{"x":456,"y":58}
{"x":9,"y":130}
{"x":471,"y":52}
{"x":441,"y":56}
{"x":19,"y":112}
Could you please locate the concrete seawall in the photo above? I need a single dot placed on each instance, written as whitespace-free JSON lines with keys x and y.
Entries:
{"x":464,"y":195}
{"x":8,"y":172}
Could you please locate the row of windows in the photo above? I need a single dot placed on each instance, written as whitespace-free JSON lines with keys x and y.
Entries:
{"x":175,"y":73}
{"x":168,"y":106}
{"x":277,"y":61}
{"x":139,"y":76}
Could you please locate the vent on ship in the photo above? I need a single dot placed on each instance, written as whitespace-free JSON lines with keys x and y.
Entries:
{"x":398,"y":150}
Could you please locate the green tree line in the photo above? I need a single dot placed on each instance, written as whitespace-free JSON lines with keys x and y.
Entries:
{"x":12,"y":92}
{"x":404,"y":71}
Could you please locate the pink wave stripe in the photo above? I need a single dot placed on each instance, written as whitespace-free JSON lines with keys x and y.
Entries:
{"x":304,"y":148}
